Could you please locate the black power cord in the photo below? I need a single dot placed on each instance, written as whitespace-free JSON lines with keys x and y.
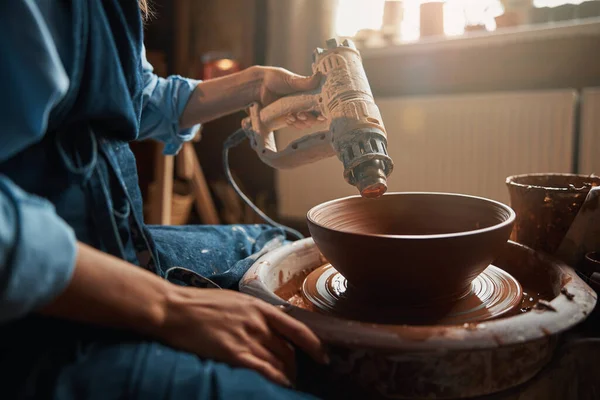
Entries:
{"x":233,"y":140}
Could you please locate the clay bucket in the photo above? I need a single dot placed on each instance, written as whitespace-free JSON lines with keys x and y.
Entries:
{"x":419,"y":248}
{"x":546,"y":205}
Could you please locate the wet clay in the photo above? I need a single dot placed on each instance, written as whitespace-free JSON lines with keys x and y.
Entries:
{"x":291,"y":291}
{"x":546,"y":205}
{"x":493,"y":293}
{"x":392,"y":248}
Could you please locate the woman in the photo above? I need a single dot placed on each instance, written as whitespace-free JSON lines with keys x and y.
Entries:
{"x":85,"y":310}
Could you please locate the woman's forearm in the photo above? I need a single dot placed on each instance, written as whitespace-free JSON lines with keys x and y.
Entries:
{"x":221,"y":96}
{"x":221,"y":325}
{"x":107,"y":291}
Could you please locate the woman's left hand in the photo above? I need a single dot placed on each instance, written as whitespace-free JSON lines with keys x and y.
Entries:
{"x":278,"y":82}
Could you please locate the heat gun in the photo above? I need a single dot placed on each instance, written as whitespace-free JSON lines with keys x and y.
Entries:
{"x":353,"y":129}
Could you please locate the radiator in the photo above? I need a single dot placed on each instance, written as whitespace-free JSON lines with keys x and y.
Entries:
{"x":459,"y":144}
{"x":589,"y":142}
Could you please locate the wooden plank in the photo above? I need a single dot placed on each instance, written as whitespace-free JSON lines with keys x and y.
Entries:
{"x":204,"y":202}
{"x":185,"y":166}
{"x":161,"y":206}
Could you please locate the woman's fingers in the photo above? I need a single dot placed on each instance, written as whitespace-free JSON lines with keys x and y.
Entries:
{"x":303,"y":120}
{"x":284,"y":351}
{"x":308,"y":118}
{"x":297,"y":333}
{"x":293,"y":120}
{"x":262,"y":351}
{"x":251,"y":361}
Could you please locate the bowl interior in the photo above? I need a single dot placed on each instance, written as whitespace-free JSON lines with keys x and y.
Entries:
{"x":411,"y":214}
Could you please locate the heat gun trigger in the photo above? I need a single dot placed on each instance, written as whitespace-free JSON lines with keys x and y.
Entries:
{"x":262,"y":122}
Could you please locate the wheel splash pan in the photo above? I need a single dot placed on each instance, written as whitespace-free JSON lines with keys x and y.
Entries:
{"x":437,"y":361}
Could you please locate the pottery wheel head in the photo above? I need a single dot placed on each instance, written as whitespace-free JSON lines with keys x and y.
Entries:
{"x":493,"y":293}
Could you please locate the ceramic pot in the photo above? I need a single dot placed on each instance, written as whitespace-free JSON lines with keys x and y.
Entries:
{"x":507,"y":20}
{"x":432,"y":19}
{"x":393,"y":13}
{"x":546,"y":205}
{"x":475,"y":28}
{"x":420,"y":248}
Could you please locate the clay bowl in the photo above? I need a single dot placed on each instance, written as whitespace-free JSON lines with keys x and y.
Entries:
{"x":420,"y":248}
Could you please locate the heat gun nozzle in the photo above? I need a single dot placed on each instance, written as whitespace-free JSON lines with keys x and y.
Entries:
{"x":374,"y":190}
{"x":371,"y":179}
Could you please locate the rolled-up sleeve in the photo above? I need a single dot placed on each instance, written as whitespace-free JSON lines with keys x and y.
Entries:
{"x":163,"y":102}
{"x":37,"y":252}
{"x":37,"y":248}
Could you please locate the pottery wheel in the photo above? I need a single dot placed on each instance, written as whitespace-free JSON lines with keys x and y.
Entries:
{"x":493,"y":293}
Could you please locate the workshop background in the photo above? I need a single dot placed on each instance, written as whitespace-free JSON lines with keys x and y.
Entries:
{"x":470,"y":91}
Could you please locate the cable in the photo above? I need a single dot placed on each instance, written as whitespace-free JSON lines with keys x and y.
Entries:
{"x":233,"y":140}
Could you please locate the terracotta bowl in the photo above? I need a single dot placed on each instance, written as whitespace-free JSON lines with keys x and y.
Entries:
{"x":420,"y":248}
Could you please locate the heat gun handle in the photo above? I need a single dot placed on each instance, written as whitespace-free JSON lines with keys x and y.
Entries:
{"x":272,"y":117}
{"x":261,"y":123}
{"x":306,"y":150}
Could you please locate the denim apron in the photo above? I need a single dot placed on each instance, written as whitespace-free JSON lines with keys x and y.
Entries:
{"x":85,"y":167}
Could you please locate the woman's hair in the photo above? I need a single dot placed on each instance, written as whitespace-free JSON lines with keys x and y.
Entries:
{"x":144,"y":7}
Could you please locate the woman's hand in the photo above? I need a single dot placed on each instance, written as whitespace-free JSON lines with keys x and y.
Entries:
{"x":215,"y":324}
{"x":278,"y":82}
{"x":238,"y":330}
{"x":217,"y":97}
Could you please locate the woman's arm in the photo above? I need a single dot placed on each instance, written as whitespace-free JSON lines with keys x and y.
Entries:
{"x":218,"y":324}
{"x":108,"y":291}
{"x":217,"y":97}
{"x":174,"y":107}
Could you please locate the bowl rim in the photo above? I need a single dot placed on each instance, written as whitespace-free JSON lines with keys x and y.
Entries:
{"x":512,"y":181}
{"x":509,"y":221}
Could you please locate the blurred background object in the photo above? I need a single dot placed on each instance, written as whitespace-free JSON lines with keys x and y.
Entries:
{"x":393,"y":14}
{"x":431,"y":21}
{"x":216,"y":64}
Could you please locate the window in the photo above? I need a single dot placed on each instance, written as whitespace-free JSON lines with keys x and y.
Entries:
{"x":355,"y":15}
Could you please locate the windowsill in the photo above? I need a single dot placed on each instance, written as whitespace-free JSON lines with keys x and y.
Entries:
{"x":500,"y":37}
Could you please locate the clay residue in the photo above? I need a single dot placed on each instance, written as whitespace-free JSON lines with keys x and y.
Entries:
{"x":530,"y":299}
{"x":292,"y":287}
{"x":492,"y":295}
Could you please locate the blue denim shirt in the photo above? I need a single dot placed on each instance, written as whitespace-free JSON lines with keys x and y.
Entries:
{"x":37,"y":248}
